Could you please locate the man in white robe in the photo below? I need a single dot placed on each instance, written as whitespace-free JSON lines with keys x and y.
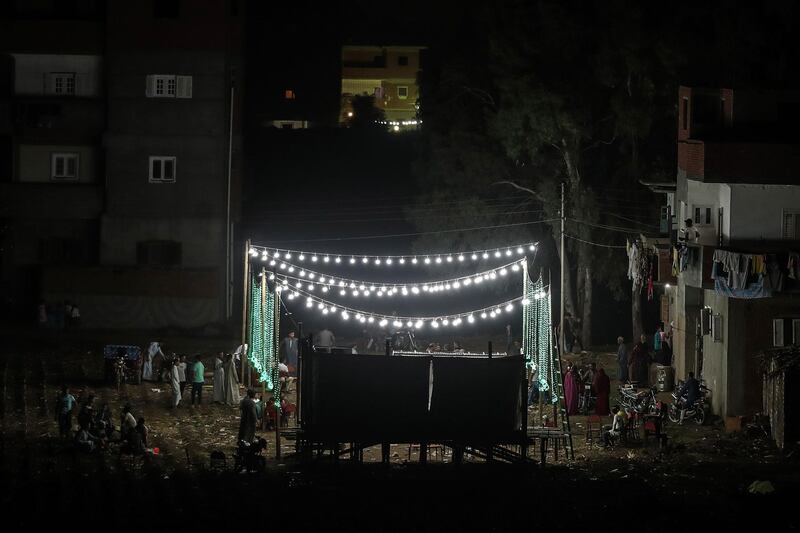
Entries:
{"x":231,"y":382}
{"x":219,"y":378}
{"x":175,"y":382}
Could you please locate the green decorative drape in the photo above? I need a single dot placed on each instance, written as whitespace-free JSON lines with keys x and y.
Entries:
{"x":263,"y":317}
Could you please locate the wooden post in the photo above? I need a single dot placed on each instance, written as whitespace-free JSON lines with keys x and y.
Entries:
{"x":245,"y":302}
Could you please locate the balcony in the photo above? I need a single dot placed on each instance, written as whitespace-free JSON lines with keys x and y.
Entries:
{"x":51,"y":200}
{"x":698,"y":269}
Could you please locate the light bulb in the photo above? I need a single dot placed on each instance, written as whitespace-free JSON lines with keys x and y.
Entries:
{"x":503,"y":271}
{"x":365,"y":260}
{"x":362,"y":319}
{"x":520,"y":251}
{"x":445,"y":322}
{"x":302,"y":273}
{"x":449,"y":259}
{"x":497,"y":253}
{"x":525,"y":301}
{"x":474,"y":257}
{"x":253,"y":251}
{"x":383,"y":322}
{"x":311,"y":275}
{"x":272,"y":276}
{"x":358,"y":316}
{"x":409,"y":324}
{"x":467,"y":281}
{"x":291,"y":269}
{"x":509,"y":308}
{"x":324,"y":311}
{"x":338,"y":259}
{"x":414,"y":260}
{"x":342,"y":292}
{"x":283,"y":265}
{"x":515,"y":268}
{"x":402,"y":260}
{"x":355,"y":294}
{"x":352,"y":260}
{"x":370,"y":320}
{"x":264,"y":258}
{"x":492,"y":314}
{"x":460,"y":257}
{"x":415,"y":290}
{"x":345,"y":316}
{"x":277,"y":255}
{"x":532,"y":247}
{"x":427,"y":260}
{"x":377,"y":262}
{"x":291,"y":296}
{"x":314,"y":258}
{"x":435,"y":324}
{"x":324,"y":289}
{"x":285,"y":282}
{"x":362,"y":287}
{"x":272,"y":263}
{"x":485,"y":255}
{"x":288,"y":256}
{"x":397,"y":323}
{"x":456,"y":284}
{"x":389,"y":261}
{"x":418,"y":324}
{"x":497,"y":311}
{"x":309,"y":304}
{"x":380,"y":293}
{"x":302,"y":257}
{"x":321,"y":306}
{"x":483,"y":315}
{"x":509,"y":252}
{"x":438,"y":259}
{"x":326,"y":259}
{"x":471,"y":319}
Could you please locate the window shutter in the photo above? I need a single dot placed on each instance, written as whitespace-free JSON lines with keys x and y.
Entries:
{"x":150,"y":86}
{"x":184,"y":87}
{"x":777,"y":332}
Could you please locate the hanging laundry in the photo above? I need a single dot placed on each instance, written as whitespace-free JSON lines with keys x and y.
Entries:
{"x":793,"y":266}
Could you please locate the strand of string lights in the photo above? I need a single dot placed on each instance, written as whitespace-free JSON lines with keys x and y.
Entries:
{"x":312,"y":281}
{"x":327,"y":307}
{"x":275,"y":255}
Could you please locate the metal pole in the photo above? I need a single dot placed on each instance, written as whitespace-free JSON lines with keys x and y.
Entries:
{"x":228,"y":254}
{"x":563,"y":274}
{"x":245,"y":301}
{"x":299,"y":410}
{"x":276,"y":311}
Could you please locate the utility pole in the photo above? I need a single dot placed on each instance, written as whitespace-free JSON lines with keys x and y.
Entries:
{"x":563,"y":273}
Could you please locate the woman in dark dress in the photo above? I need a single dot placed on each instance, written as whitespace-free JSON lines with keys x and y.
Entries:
{"x":640,"y":362}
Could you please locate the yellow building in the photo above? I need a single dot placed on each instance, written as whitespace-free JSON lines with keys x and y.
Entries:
{"x":389,"y":73}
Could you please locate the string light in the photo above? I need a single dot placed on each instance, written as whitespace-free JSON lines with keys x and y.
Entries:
{"x":430,"y":287}
{"x":378,"y":260}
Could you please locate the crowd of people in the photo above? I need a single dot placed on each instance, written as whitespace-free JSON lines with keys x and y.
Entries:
{"x":95,"y":429}
{"x":635,"y":367}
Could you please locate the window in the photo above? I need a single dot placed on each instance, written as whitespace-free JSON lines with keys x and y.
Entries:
{"x":402,"y":92}
{"x":61,"y":83}
{"x":289,"y":94}
{"x":791,"y":225}
{"x":716,"y":328}
{"x":162,"y":169}
{"x":158,"y":253}
{"x":702,"y":215}
{"x":168,"y":86}
{"x":705,"y":320}
{"x":785,"y":331}
{"x":64,"y":166}
{"x":402,"y":61}
{"x":166,"y":9}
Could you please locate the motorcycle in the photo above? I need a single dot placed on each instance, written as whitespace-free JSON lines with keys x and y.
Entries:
{"x":696,"y":412}
{"x":641,"y":402}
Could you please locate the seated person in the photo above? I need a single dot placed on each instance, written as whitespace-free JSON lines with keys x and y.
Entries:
{"x":84,"y":440}
{"x":613,"y":432}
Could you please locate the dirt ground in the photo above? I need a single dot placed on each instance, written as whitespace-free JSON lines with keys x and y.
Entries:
{"x":704,"y":469}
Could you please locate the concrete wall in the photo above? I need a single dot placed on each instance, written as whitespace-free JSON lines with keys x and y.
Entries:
{"x":715,"y":195}
{"x":716,"y":355}
{"x":202,"y":239}
{"x":34,"y":163}
{"x":759,"y":210}
{"x":31,"y":69}
{"x":688,"y":301}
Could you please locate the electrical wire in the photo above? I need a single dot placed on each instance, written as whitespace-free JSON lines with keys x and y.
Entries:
{"x":595,"y":243}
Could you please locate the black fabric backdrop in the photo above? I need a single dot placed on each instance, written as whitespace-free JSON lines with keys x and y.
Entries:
{"x":370,"y":398}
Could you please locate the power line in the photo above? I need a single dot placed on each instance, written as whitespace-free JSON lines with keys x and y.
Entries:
{"x":595,"y":243}
{"x":397,"y":235}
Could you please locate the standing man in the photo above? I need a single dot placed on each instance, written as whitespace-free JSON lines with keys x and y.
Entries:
{"x":658,"y":339}
{"x":249,"y":417}
{"x":198,"y":379}
{"x":290,"y":352}
{"x":66,"y":403}
{"x":622,"y":360}
{"x":325,"y":339}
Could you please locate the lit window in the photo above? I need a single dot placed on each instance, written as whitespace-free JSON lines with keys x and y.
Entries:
{"x":168,"y":86}
{"x":289,"y":94}
{"x":703,"y":215}
{"x":162,"y":169}
{"x":64,"y":166}
{"x":402,"y":92}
